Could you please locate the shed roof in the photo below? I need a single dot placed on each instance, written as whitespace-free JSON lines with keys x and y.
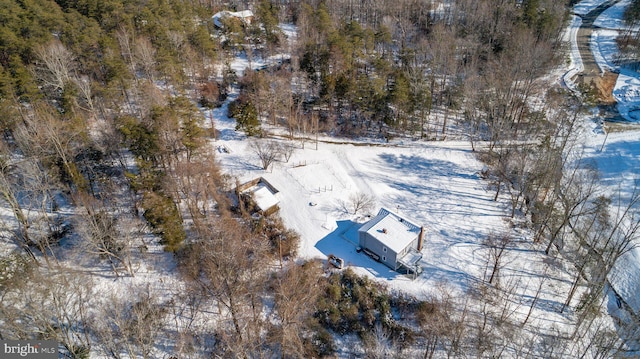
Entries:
{"x":244,"y":15}
{"x":264,"y":198}
{"x":394,"y":231}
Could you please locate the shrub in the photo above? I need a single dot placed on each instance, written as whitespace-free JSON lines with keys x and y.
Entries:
{"x":15,"y":267}
{"x":356,"y":305}
{"x":321,"y":343}
{"x":164,"y":217}
{"x":246,"y":115}
{"x":284,"y":242}
{"x":211,"y":95}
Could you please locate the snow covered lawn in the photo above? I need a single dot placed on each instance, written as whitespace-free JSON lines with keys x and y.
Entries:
{"x":435,"y":184}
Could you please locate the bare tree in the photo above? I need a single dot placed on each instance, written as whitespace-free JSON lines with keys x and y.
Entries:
{"x":315,"y":126}
{"x":129,"y":326}
{"x":360,"y":201}
{"x":200,"y":183}
{"x":102,"y":237}
{"x":29,"y":188}
{"x":145,"y":56}
{"x":189,"y":310}
{"x":44,"y":135}
{"x":603,"y":234}
{"x":599,"y":340}
{"x":435,"y":324}
{"x":267,"y":151}
{"x":496,"y":245}
{"x":84,"y":86}
{"x":287,"y":149}
{"x":578,"y":188}
{"x":280,"y":97}
{"x":55,"y":65}
{"x":48,"y":304}
{"x":296,"y":290}
{"x":8,"y":192}
{"x":228,"y":263}
{"x":378,"y":344}
{"x":536,"y":297}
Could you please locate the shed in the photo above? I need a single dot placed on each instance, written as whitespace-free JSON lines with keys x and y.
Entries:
{"x":246,"y":16}
{"x":262,"y":193}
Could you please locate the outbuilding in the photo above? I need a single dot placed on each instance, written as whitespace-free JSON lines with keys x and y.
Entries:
{"x":245,"y":16}
{"x":261,"y":193}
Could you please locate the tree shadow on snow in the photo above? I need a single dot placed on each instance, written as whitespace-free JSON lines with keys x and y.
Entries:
{"x":439,"y":191}
{"x":343,"y":241}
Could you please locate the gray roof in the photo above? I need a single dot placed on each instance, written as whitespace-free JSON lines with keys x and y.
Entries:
{"x":394,"y":231}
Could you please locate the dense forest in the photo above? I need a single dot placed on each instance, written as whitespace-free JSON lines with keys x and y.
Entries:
{"x":105,"y":151}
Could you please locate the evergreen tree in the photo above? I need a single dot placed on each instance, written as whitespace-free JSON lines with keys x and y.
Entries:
{"x":246,"y":115}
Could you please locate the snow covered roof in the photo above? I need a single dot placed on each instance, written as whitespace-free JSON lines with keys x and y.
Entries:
{"x":410,"y":259}
{"x":393,"y":231}
{"x":264,"y":198}
{"x":244,"y":15}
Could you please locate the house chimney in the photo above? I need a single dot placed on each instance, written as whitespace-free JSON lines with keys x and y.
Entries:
{"x":420,"y":239}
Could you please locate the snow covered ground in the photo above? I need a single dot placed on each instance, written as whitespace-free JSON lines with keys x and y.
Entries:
{"x":585,"y":6}
{"x":439,"y":186}
{"x":605,"y":50}
{"x":435,"y":184}
{"x":575,"y":60}
{"x":612,"y":17}
{"x":616,"y":154}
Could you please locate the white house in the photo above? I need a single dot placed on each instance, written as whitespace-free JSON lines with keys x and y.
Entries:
{"x":392,"y":240}
{"x":246,"y":16}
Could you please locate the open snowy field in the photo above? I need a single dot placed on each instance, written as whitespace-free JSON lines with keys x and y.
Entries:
{"x":437,"y":185}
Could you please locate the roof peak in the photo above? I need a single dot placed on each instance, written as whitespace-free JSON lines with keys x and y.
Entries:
{"x":384,"y":212}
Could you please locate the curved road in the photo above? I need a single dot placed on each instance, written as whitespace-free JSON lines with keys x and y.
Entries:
{"x":584,"y":38}
{"x":591,"y":70}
